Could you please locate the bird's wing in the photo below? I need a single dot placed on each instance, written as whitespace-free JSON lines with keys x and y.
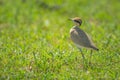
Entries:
{"x":79,"y":37}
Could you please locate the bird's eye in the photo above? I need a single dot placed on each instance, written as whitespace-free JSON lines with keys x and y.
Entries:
{"x":77,"y":21}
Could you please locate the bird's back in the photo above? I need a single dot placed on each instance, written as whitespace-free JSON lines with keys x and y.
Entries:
{"x":80,"y":38}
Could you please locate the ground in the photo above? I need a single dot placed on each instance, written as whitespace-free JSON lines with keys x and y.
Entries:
{"x":35,"y":41}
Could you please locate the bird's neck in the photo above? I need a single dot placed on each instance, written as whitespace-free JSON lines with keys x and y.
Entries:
{"x":75,"y":26}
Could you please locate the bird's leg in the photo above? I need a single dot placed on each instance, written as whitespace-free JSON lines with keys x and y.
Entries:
{"x":90,"y":57}
{"x":84,"y":60}
{"x":82,"y":54}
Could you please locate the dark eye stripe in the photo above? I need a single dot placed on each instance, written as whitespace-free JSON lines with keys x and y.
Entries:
{"x":77,"y":21}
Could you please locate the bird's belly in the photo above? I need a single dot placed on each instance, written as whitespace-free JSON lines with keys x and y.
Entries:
{"x":79,"y":46}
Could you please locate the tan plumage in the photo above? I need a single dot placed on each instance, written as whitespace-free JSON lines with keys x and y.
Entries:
{"x":79,"y":37}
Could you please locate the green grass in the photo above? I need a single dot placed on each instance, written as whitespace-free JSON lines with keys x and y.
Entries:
{"x":35,"y":41}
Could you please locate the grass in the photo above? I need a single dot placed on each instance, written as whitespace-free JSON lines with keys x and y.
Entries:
{"x":35,"y":43}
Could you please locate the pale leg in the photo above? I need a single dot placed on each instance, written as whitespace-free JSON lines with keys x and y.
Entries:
{"x":90,"y":57}
{"x":82,"y":54}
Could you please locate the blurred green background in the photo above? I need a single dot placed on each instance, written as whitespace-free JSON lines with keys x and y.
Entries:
{"x":35,"y":41}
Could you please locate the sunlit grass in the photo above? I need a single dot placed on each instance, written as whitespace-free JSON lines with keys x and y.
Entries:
{"x":35,"y":42}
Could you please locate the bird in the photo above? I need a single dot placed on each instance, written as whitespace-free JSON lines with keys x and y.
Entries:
{"x":80,"y":38}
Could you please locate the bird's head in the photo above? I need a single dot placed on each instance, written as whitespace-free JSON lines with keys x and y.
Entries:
{"x":77,"y":21}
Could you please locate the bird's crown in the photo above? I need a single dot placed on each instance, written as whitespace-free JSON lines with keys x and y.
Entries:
{"x":77,"y":20}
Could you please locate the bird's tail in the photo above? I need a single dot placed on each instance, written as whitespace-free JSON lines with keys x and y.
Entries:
{"x":94,"y":48}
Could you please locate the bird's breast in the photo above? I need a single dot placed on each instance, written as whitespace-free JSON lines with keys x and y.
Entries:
{"x":74,"y":35}
{"x":73,"y":31}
